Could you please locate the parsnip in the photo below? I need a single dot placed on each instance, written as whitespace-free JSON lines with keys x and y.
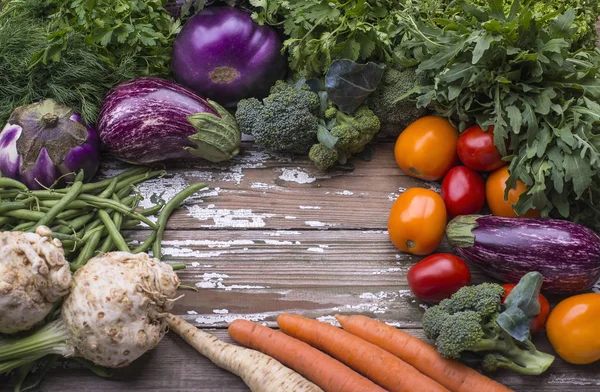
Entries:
{"x":260,"y":372}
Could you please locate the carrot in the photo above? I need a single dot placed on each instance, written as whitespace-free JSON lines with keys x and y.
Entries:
{"x":371,"y":361}
{"x":452,"y":374}
{"x":260,"y":372}
{"x":320,"y":368}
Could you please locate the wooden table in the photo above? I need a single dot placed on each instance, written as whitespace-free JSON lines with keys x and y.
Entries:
{"x":272,"y":234}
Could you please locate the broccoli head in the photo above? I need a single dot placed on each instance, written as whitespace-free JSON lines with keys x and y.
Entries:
{"x":396,"y":116}
{"x":322,"y":156}
{"x":465,"y":326}
{"x":287,"y":120}
{"x":351,"y":134}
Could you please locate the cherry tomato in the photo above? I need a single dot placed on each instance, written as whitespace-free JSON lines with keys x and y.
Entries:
{"x":426,"y":149}
{"x":417,"y":221}
{"x":538,"y":322}
{"x":494,"y":194}
{"x":477,"y":151}
{"x":438,"y":276}
{"x":463,"y":191}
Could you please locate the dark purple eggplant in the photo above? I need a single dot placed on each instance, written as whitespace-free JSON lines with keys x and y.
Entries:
{"x":147,"y":120}
{"x":567,"y":254}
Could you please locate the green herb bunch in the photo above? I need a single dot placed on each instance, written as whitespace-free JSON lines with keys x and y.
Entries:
{"x":79,"y":78}
{"x":321,"y":31}
{"x":74,"y":51}
{"x":516,"y":70}
{"x":140,"y":29}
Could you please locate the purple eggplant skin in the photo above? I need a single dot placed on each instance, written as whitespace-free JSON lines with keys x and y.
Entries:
{"x":567,"y":254}
{"x":148,"y":120}
{"x":45,"y":143}
{"x":222,"y":54}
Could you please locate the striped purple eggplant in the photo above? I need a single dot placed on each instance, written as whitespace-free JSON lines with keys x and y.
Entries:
{"x":565,"y":253}
{"x":147,"y":120}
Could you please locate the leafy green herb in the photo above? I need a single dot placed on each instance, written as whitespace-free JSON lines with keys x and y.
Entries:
{"x":516,"y":70}
{"x":78,"y":79}
{"x":321,"y":31}
{"x":142,"y":29}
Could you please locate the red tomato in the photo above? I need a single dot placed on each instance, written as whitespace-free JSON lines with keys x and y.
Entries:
{"x":540,"y":320}
{"x":463,"y":191}
{"x":438,"y":276}
{"x":477,"y":151}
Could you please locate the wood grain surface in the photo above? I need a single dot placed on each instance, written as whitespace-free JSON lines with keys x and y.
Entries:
{"x":272,"y":234}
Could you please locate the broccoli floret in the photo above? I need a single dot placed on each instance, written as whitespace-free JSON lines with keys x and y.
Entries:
{"x":287,"y":120}
{"x":396,"y":116}
{"x":351,"y":134}
{"x":322,"y":156}
{"x":356,"y":131}
{"x":465,"y":326}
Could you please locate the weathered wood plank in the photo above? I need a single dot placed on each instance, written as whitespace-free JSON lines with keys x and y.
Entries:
{"x":175,"y":366}
{"x":258,"y":190}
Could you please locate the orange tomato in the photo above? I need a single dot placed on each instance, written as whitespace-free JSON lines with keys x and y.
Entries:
{"x":426,"y":149}
{"x":494,"y":194}
{"x":417,"y":221}
{"x":573,"y":327}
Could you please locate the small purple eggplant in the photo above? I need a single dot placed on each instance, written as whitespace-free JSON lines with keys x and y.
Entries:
{"x":567,"y":254}
{"x":45,"y":142}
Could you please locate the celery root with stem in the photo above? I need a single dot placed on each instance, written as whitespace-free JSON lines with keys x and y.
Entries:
{"x":116,"y":311}
{"x":33,"y":276}
{"x":260,"y":372}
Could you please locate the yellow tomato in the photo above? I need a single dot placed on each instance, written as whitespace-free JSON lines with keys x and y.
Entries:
{"x":494,"y":194}
{"x":417,"y":221}
{"x":426,"y":149}
{"x":573,"y":329}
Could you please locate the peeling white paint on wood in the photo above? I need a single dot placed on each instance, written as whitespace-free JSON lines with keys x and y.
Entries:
{"x":220,"y":311}
{"x":192,"y":312}
{"x":316,"y":250}
{"x":319,"y":224}
{"x":207,"y":243}
{"x":389,"y":271}
{"x":345,"y":193}
{"x":330,"y":320}
{"x":279,"y":233}
{"x":215,"y":281}
{"x":262,"y":185}
{"x":297,"y":176}
{"x":223,"y":218}
{"x":309,"y":207}
{"x":571,"y":380}
{"x":210,"y":320}
{"x":289,"y":217}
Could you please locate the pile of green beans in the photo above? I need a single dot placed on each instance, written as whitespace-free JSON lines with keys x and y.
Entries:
{"x":89,"y":218}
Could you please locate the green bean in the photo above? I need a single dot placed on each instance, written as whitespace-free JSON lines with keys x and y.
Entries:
{"x":98,"y":229}
{"x":178,"y":266}
{"x":94,"y":224}
{"x":28,"y":215}
{"x":68,"y":198}
{"x":75,"y":224}
{"x":144,"y":246}
{"x":124,"y":192}
{"x":10,"y":206}
{"x":151,"y":210}
{"x":25,"y":226}
{"x":130,"y":224}
{"x":75,"y":204}
{"x":65,"y":237}
{"x":166,"y":213}
{"x":113,"y":231}
{"x":6,"y":182}
{"x":139,"y":178}
{"x":4,"y":220}
{"x":111,"y":204}
{"x":87,"y":251}
{"x":108,"y":192}
{"x":96,"y":186}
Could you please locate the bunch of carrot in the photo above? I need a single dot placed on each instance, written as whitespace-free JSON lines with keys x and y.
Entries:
{"x":366,"y":355}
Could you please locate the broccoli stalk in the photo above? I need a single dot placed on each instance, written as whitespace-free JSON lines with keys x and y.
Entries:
{"x":467,"y":325}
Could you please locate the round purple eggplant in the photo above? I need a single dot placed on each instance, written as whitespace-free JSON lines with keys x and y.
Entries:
{"x":567,"y":254}
{"x":147,"y":120}
{"x":44,"y":142}
{"x":222,"y":54}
